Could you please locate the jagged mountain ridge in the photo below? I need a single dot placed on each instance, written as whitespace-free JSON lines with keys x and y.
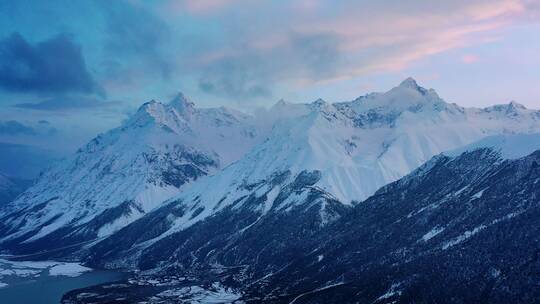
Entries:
{"x":356,"y":147}
{"x":377,"y":139}
{"x":318,"y":139}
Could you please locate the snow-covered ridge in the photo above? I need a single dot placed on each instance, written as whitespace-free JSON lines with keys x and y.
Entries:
{"x":509,"y":146}
{"x":179,"y":152}
{"x":364,"y":144}
{"x":356,"y":148}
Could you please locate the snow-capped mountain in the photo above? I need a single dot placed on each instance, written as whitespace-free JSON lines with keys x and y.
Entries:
{"x":319,"y":156}
{"x":318,"y":161}
{"x":126,"y":172}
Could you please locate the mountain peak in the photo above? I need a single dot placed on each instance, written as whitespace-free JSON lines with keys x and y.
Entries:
{"x":515,"y":105}
{"x":149,"y":111}
{"x":319,"y":102}
{"x":409,"y":83}
{"x":320,"y":105}
{"x":511,"y":108}
{"x":182,"y":104}
{"x":412,"y":85}
{"x":281,"y":102}
{"x":147,"y":106}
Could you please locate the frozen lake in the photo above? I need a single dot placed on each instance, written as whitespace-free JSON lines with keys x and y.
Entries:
{"x":46,"y":282}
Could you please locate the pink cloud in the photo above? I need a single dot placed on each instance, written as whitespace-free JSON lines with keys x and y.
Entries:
{"x":197,"y":6}
{"x":368,"y":36}
{"x":469,"y":58}
{"x":306,"y":6}
{"x":396,"y":44}
{"x":496,"y":9}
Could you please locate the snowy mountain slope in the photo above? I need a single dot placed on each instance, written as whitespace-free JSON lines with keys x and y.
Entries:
{"x":350,"y":162}
{"x":459,"y":229}
{"x":470,"y":219}
{"x":255,"y":229}
{"x":126,"y":172}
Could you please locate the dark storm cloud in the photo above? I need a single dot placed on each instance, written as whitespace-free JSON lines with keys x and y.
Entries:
{"x":13,"y":127}
{"x":318,"y":53}
{"x":16,"y":128}
{"x":66,"y":103}
{"x":252,"y":72}
{"x":233,"y":77}
{"x":52,"y":66}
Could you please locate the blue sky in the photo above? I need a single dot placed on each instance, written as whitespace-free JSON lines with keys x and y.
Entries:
{"x":70,"y":69}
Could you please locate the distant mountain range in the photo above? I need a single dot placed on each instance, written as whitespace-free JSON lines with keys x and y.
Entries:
{"x":300,"y":203}
{"x":25,"y":161}
{"x":20,"y":165}
{"x":11,"y":187}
